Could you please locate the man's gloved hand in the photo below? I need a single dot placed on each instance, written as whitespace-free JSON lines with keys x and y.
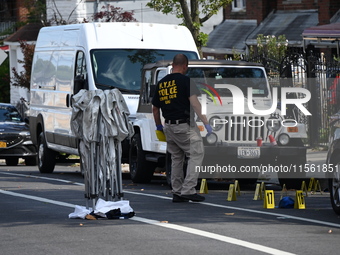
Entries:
{"x":159,"y":133}
{"x":208,"y":128}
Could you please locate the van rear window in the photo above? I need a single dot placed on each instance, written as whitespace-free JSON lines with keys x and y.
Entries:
{"x":121,"y":68}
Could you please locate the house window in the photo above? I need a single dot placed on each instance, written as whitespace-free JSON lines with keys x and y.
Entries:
{"x":239,"y":5}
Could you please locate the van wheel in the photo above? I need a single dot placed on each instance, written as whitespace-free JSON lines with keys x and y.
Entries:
{"x":141,"y":170}
{"x":12,"y":161}
{"x":334,"y":187}
{"x":46,"y":157}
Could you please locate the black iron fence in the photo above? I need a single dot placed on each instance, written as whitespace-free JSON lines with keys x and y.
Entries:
{"x":320,"y":76}
{"x":6,"y":28}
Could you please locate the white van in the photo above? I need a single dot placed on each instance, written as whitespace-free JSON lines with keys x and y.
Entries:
{"x":92,"y":56}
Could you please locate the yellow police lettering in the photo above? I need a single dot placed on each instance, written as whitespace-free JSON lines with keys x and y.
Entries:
{"x":173,"y":90}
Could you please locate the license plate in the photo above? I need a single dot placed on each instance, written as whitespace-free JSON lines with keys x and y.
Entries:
{"x":3,"y":144}
{"x":248,"y":152}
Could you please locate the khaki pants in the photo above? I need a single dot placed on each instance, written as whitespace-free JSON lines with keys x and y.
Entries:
{"x":183,"y":140}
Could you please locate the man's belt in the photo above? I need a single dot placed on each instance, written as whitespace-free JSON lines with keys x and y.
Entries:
{"x":176,"y":121}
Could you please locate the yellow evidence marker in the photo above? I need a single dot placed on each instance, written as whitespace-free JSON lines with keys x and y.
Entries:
{"x":299,"y":202}
{"x":204,"y":187}
{"x":269,"y":200}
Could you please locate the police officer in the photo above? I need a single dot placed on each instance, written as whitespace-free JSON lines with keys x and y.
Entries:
{"x":175,"y":97}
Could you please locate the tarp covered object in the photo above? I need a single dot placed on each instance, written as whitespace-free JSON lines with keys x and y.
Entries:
{"x":100,"y":121}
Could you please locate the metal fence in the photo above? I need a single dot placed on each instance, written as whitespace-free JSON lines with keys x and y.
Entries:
{"x":323,"y":83}
{"x":320,"y":76}
{"x":6,"y":28}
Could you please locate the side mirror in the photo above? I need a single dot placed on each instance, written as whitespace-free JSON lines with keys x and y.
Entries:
{"x":79,"y":83}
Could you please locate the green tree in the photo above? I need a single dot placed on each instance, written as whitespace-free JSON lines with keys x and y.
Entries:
{"x":110,"y":13}
{"x":193,"y":16}
{"x":36,"y":11}
{"x":270,"y":46}
{"x":22,"y":79}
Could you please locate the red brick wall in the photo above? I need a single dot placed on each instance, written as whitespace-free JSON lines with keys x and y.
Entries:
{"x":296,"y":4}
{"x":256,"y":9}
{"x":327,"y":8}
{"x":259,"y":9}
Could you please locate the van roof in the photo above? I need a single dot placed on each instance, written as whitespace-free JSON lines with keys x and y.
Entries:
{"x":203,"y":62}
{"x":133,"y":35}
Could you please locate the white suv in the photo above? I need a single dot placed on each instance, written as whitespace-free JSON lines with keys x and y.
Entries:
{"x":238,"y":120}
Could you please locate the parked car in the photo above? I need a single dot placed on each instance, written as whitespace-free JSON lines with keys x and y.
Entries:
{"x":15,"y":138}
{"x":333,"y":162}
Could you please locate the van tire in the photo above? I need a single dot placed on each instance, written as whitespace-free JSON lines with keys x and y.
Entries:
{"x":141,"y":170}
{"x":46,"y":156}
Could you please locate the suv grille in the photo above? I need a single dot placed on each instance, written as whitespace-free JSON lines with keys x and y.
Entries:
{"x":11,"y":139}
{"x":244,"y":128}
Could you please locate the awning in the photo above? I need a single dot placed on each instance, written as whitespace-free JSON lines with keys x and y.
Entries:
{"x":325,"y":36}
{"x":288,"y":23}
{"x":323,"y":31}
{"x":229,"y":36}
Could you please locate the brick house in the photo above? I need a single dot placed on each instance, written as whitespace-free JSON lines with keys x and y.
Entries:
{"x":244,"y":20}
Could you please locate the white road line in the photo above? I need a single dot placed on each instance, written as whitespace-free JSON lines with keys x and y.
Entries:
{"x":249,"y":210}
{"x":226,"y":239}
{"x":40,"y":199}
{"x":204,"y":203}
{"x":44,"y":178}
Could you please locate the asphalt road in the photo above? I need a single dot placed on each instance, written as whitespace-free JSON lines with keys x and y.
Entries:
{"x":35,"y":207}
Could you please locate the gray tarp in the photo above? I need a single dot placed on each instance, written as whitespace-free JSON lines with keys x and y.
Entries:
{"x":100,"y":121}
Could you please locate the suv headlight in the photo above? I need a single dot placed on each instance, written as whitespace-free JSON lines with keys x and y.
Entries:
{"x":24,"y":133}
{"x":273,"y":124}
{"x":216,"y":123}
